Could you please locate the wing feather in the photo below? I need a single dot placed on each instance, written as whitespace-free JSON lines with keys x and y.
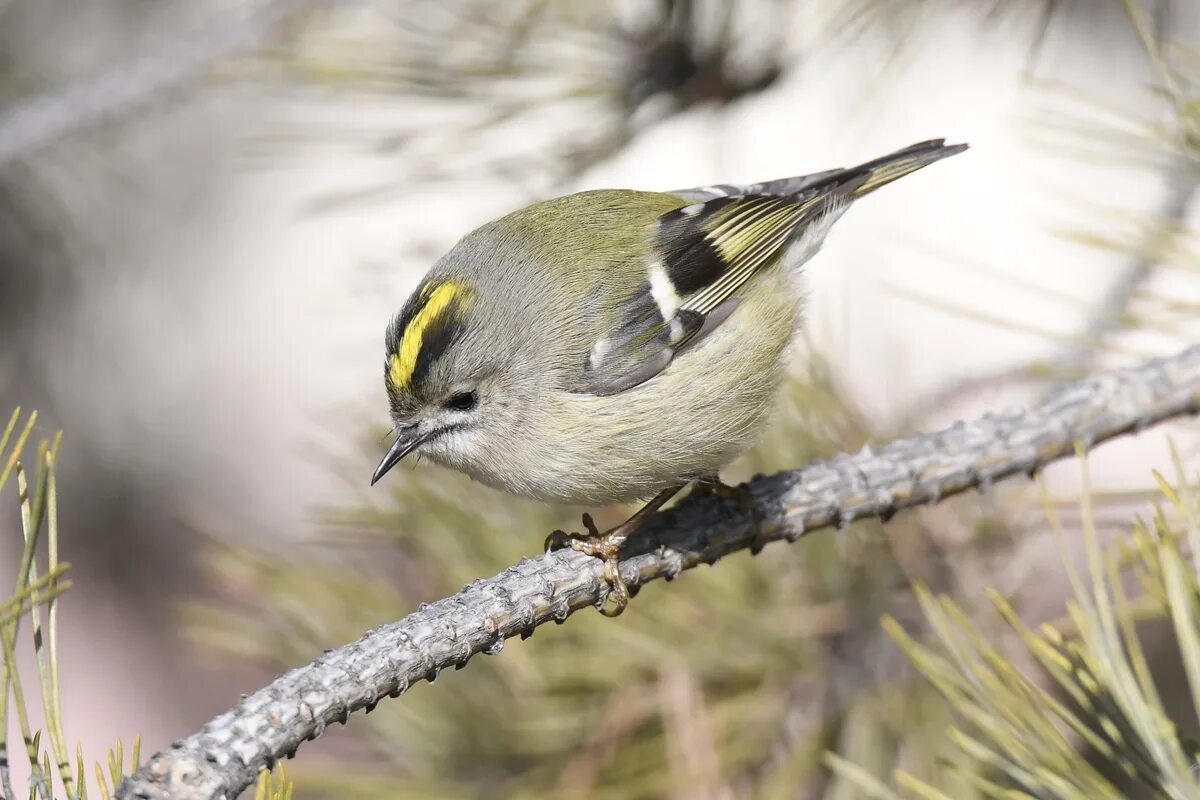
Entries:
{"x":705,"y":252}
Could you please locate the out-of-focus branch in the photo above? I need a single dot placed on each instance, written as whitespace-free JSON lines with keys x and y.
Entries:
{"x":1109,"y":313}
{"x":1107,"y":318}
{"x":44,"y":119}
{"x":1180,"y":177}
{"x":225,"y":756}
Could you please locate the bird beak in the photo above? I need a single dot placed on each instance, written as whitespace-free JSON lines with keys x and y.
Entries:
{"x":407,"y":440}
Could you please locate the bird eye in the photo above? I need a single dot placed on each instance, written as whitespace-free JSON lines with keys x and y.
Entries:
{"x":463,"y":401}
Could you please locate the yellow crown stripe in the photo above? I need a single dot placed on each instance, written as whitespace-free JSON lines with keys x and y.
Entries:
{"x":402,"y":364}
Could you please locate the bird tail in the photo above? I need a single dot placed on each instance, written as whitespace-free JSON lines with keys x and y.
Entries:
{"x":882,"y":171}
{"x":854,"y":182}
{"x":851,"y":183}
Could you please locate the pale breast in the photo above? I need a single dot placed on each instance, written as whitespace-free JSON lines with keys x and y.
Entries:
{"x":702,"y":412}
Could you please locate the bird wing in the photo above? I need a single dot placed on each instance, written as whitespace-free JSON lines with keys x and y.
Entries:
{"x":703,"y":253}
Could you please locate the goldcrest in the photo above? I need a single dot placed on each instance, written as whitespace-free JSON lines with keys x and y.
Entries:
{"x":614,"y":345}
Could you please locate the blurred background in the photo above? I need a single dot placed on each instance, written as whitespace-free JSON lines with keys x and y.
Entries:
{"x":209,"y":211}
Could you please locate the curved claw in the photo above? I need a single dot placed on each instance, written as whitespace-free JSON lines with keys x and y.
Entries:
{"x":557,"y":540}
{"x":607,"y":547}
{"x":745,"y":505}
{"x":618,"y":592}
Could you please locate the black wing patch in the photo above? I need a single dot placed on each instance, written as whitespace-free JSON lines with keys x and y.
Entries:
{"x":691,"y":258}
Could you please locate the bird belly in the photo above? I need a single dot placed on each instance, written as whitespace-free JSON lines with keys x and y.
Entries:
{"x":691,"y":420}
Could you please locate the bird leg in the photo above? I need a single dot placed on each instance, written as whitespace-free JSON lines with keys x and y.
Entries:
{"x":607,"y":546}
{"x":713,"y":485}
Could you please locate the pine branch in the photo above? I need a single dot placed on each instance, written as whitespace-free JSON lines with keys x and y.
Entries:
{"x":226,"y":755}
{"x":31,"y":125}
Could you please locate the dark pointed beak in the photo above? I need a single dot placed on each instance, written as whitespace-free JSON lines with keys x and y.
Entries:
{"x":407,"y":440}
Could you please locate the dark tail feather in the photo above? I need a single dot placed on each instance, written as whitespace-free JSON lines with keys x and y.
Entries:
{"x":870,"y":175}
{"x":882,"y":171}
{"x":853,"y":182}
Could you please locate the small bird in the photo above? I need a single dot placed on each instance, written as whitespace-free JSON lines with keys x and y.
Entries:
{"x":614,"y":345}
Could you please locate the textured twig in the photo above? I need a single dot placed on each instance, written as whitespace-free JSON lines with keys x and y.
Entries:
{"x":226,"y":755}
{"x":30,"y":125}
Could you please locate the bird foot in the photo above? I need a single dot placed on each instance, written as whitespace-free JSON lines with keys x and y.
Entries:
{"x":745,"y":504}
{"x":717,"y":488}
{"x":605,"y":546}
